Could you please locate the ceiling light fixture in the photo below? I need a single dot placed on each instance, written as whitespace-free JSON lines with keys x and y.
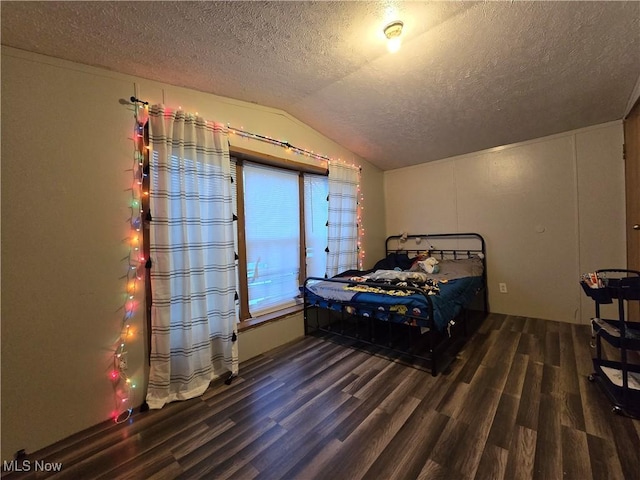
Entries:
{"x":393,"y":32}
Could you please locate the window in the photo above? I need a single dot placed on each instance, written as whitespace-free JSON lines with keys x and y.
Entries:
{"x":272,"y":233}
{"x":316,"y":189}
{"x":282,"y":234}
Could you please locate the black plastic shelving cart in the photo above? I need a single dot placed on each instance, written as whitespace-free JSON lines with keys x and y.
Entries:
{"x":619,"y":378}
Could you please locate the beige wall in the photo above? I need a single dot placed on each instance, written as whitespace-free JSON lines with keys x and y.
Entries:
{"x":258,"y":340}
{"x":66,"y":160}
{"x":549,"y":210}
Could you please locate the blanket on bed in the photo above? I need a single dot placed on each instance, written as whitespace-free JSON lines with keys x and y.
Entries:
{"x":396,"y":278}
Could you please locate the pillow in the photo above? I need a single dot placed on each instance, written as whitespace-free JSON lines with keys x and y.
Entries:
{"x":465,"y":267}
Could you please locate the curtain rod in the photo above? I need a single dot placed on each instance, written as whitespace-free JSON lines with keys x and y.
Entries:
{"x":263,"y":138}
{"x":137,"y":100}
{"x":280,"y":143}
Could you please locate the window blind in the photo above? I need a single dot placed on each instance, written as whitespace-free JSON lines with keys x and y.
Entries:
{"x":316,"y":214}
{"x":272,"y":229}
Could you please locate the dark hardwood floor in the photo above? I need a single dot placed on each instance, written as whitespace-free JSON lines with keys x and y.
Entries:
{"x":516,"y":404}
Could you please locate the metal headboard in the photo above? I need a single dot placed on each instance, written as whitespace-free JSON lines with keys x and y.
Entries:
{"x":416,"y":244}
{"x":428,"y":242}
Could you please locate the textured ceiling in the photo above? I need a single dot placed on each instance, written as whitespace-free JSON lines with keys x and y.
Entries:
{"x":469,"y":75}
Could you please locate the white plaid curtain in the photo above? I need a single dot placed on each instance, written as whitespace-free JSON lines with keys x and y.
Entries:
{"x":342,"y":248}
{"x":193,"y":281}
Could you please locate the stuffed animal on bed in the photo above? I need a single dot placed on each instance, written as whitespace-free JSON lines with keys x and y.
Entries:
{"x":430,"y":265}
{"x":415,"y":262}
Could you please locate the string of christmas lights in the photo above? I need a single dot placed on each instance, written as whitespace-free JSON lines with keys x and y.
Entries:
{"x":123,"y":385}
{"x":281,"y":143}
{"x":360,"y":227}
{"x":301,"y":151}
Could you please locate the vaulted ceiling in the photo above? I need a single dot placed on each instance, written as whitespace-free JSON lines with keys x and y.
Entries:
{"x":469,"y":75}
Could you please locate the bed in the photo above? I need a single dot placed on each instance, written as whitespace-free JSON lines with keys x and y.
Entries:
{"x":420,"y":303}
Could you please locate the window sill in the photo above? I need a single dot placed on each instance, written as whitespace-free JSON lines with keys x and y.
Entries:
{"x":260,"y":320}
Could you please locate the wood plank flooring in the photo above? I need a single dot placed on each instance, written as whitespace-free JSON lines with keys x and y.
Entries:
{"x":516,"y":404}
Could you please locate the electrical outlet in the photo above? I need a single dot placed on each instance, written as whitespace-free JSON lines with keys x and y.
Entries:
{"x":503,"y":287}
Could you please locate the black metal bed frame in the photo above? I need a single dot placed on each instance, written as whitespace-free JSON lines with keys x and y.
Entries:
{"x":433,"y":350}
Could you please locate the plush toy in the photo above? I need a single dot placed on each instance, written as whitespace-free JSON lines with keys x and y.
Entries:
{"x":430,"y":265}
{"x":415,"y":265}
